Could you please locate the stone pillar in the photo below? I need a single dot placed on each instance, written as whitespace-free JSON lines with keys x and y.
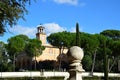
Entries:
{"x":75,"y":55}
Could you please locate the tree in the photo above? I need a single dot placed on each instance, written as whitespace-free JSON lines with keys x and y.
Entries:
{"x":2,"y":47}
{"x":34,"y":48}
{"x":2,"y":50}
{"x":115,"y":55}
{"x":105,"y":61}
{"x":77,"y":35}
{"x":93,"y":64}
{"x":15,"y":45}
{"x":87,"y":62}
{"x":114,"y":44}
{"x":4,"y":63}
{"x":11,"y":11}
{"x":89,"y":43}
{"x":113,"y":34}
{"x":61,"y":40}
{"x":100,"y":51}
{"x":92,"y":44}
{"x":22,"y":44}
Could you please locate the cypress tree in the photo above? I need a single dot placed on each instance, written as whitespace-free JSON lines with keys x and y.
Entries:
{"x":105,"y":61}
{"x":77,"y":35}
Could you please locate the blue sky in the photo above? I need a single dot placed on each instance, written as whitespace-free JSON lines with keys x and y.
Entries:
{"x":93,"y":16}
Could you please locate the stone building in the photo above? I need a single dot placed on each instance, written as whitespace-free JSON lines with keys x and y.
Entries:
{"x":51,"y":53}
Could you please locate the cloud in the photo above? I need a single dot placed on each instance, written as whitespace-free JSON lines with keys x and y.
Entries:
{"x":29,"y":31}
{"x":53,"y":28}
{"x":71,"y":2}
{"x":49,"y":28}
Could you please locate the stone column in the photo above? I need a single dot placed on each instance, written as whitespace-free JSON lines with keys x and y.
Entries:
{"x":75,"y":55}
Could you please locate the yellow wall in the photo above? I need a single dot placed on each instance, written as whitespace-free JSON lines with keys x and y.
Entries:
{"x":50,"y":53}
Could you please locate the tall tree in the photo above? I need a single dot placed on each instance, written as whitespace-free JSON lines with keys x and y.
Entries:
{"x":105,"y":60}
{"x":113,"y":34}
{"x":15,"y":45}
{"x":34,"y":48}
{"x":115,"y":56}
{"x":2,"y":50}
{"x":2,"y":47}
{"x":89,"y":43}
{"x":114,"y":44}
{"x":77,"y":35}
{"x":61,"y":40}
{"x":4,"y":63}
{"x":11,"y":11}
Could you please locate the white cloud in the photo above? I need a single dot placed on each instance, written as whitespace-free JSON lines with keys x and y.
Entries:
{"x":29,"y":31}
{"x":71,"y":2}
{"x":53,"y":28}
{"x":49,"y":28}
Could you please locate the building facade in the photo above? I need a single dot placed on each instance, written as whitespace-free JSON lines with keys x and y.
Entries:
{"x":50,"y":53}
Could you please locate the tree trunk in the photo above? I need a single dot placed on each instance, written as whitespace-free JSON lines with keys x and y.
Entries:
{"x":93,"y":63}
{"x":14,"y":63}
{"x":113,"y":64}
{"x":60,"y":59}
{"x":105,"y":62}
{"x":35,"y":63}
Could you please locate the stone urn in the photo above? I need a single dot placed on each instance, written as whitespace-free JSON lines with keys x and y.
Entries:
{"x":75,"y":54}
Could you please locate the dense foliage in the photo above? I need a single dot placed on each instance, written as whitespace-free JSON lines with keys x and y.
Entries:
{"x":17,"y":45}
{"x":92,"y":44}
{"x":11,"y":11}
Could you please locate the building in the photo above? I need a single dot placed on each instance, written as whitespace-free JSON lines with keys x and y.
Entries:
{"x":49,"y":53}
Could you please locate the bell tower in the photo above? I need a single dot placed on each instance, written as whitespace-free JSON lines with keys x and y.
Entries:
{"x":41,"y":34}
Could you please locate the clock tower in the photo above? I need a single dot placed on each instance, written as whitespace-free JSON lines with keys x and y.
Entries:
{"x":41,"y":34}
